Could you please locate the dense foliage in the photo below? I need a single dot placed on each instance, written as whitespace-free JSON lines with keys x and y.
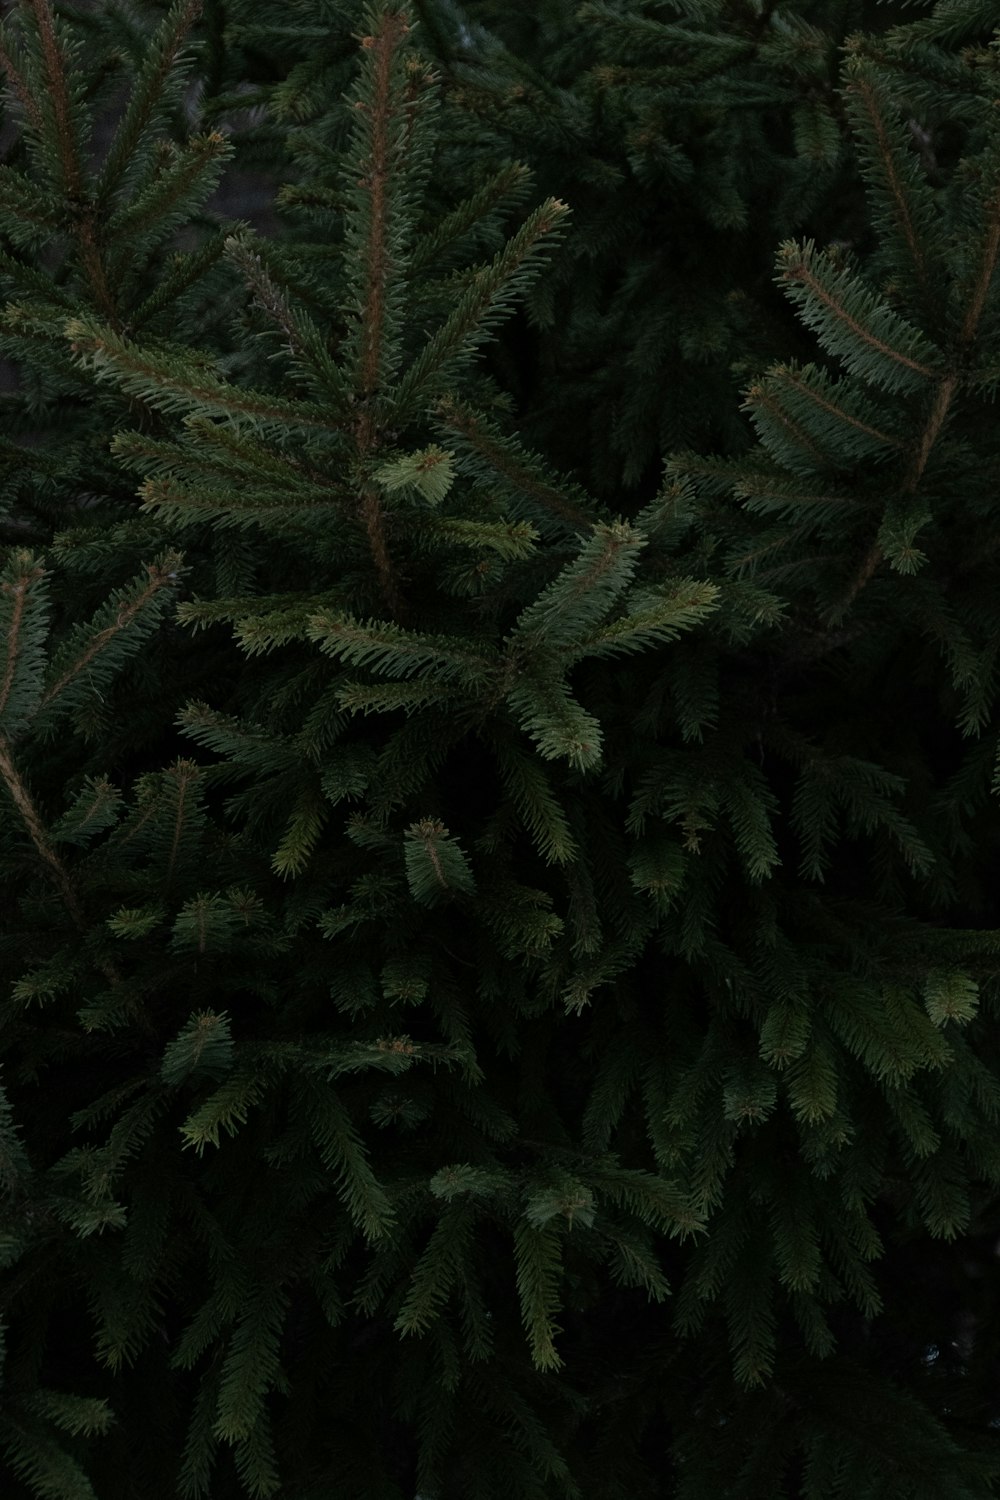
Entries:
{"x":499,"y":751}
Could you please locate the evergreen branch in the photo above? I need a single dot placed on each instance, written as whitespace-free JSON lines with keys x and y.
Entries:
{"x":862,"y":89}
{"x":374,"y":524}
{"x":865,"y":573}
{"x":226,"y":1108}
{"x":935,"y":421}
{"x":95,"y":808}
{"x":539,"y":1262}
{"x":191,"y":505}
{"x":987,"y":267}
{"x":252,"y":1364}
{"x":202,"y":612}
{"x":255,"y":455}
{"x":342,"y":1152}
{"x":166,"y":201}
{"x":522,"y":471}
{"x":19,"y":592}
{"x":394,"y":652}
{"x":304,"y":341}
{"x":875,"y":555}
{"x":23,"y":801}
{"x":161,"y":575}
{"x":774,"y":492}
{"x":943,"y":396}
{"x":188,"y":774}
{"x":83,"y":220}
{"x":576,"y":601}
{"x":59,"y":97}
{"x":529,"y":790}
{"x":392,"y":28}
{"x":653,"y":619}
{"x":511,"y":540}
{"x":377,"y":157}
{"x":490,"y":292}
{"x":184,"y":272}
{"x":175,"y":383}
{"x":441,"y":1266}
{"x":366,"y":698}
{"x":810,"y":391}
{"x":32,"y":113}
{"x":510,"y":183}
{"x":37,"y":285}
{"x":158,"y":64}
{"x":28,"y":204}
{"x":559,"y":726}
{"x":435,"y":862}
{"x":875,"y":343}
{"x":759,"y":397}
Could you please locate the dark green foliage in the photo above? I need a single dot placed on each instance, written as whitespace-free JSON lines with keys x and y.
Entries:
{"x":498,"y":982}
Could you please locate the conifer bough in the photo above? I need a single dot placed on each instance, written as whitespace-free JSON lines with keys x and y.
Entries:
{"x":498,"y":979}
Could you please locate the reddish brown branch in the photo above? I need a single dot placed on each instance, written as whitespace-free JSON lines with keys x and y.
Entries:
{"x":61,"y":107}
{"x":391,"y":31}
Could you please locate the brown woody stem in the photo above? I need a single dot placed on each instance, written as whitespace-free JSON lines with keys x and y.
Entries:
{"x":392,"y":29}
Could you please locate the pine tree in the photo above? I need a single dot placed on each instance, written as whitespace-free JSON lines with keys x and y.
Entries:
{"x":498,"y":979}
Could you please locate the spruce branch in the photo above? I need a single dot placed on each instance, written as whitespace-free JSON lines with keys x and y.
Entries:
{"x":188,"y":774}
{"x":760,"y":398}
{"x":19,"y":591}
{"x":173,"y":381}
{"x":161,"y":575}
{"x":506,"y":186}
{"x":490,"y":292}
{"x":539,"y":1266}
{"x":37,"y":211}
{"x":183,"y":271}
{"x":943,"y":396}
{"x":83,"y":209}
{"x":935,"y":421}
{"x":22,"y":799}
{"x":303,"y":339}
{"x":862,"y":89}
{"x":54,"y":867}
{"x":186,"y":172}
{"x":374,"y":524}
{"x":147,"y":93}
{"x":579,"y":598}
{"x":59,"y":97}
{"x":392,"y":28}
{"x":522,"y":471}
{"x":380,"y":167}
{"x":984,"y":278}
{"x":812,"y":392}
{"x":388,"y":649}
{"x":17,"y":82}
{"x":874,"y":343}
